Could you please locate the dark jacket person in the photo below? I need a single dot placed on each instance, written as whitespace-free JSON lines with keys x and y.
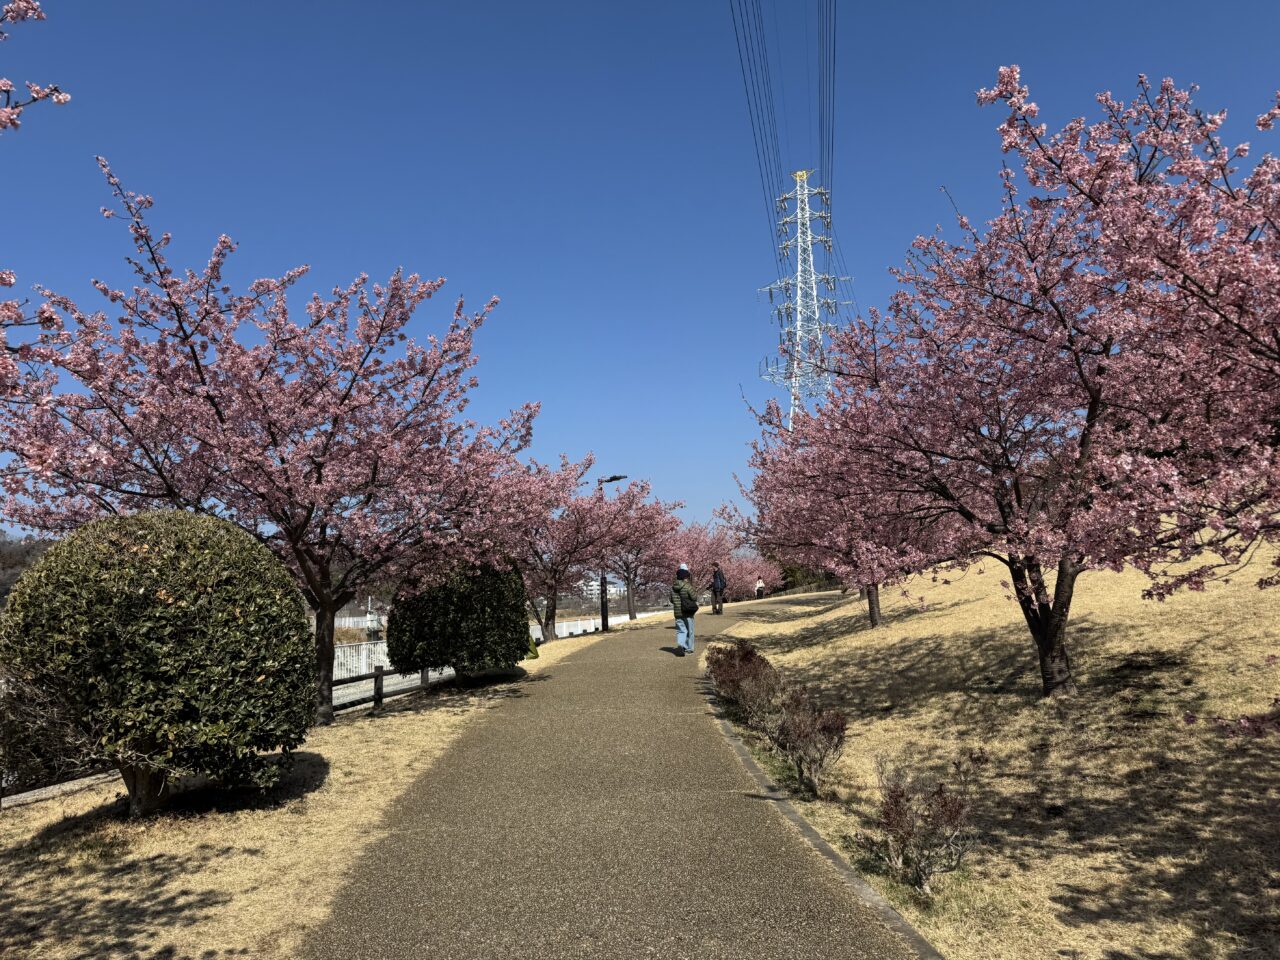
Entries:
{"x":684,"y":604}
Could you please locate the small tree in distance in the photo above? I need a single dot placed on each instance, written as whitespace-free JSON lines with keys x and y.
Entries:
{"x":743,"y":568}
{"x":699,"y":545}
{"x":809,"y":517}
{"x":569,"y":534}
{"x":638,"y":555}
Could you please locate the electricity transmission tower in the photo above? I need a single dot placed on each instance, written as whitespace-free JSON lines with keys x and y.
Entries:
{"x":801,"y":367}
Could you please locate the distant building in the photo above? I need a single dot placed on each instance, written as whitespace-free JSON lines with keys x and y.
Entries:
{"x":589,"y":587}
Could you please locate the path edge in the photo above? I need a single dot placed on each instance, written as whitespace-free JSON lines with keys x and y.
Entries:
{"x":863,"y":890}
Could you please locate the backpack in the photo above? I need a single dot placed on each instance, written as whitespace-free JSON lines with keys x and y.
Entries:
{"x":688,"y":605}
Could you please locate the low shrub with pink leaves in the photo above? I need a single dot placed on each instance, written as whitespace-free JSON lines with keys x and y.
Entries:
{"x":924,"y":822}
{"x":809,"y":738}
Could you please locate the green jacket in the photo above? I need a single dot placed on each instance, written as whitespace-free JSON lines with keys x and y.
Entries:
{"x":679,"y":590}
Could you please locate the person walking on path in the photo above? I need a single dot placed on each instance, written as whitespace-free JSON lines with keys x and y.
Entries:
{"x":684,"y":603}
{"x":718,"y":585}
{"x":759,"y":588}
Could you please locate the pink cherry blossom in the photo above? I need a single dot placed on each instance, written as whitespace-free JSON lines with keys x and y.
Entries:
{"x":12,"y":312}
{"x":1187,"y":239}
{"x":699,"y":545}
{"x":640,"y":550}
{"x":327,"y":432}
{"x":1090,"y":380}
{"x":570,"y":534}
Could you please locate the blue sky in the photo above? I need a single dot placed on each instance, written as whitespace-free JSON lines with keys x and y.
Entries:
{"x":590,"y":163}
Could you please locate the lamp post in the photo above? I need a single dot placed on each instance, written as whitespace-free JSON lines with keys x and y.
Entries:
{"x":604,"y":575}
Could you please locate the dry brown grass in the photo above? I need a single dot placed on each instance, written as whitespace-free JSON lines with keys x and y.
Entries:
{"x":1111,"y":830}
{"x":223,"y":873}
{"x":350,"y":635}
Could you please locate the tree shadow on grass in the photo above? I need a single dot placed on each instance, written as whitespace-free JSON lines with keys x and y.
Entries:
{"x":791,"y":608}
{"x":114,"y":904}
{"x":853,"y":620}
{"x":1177,"y":825}
{"x":1189,"y":835}
{"x":303,"y":772}
{"x":86,"y":885}
{"x":81,"y":884}
{"x":78,"y":883}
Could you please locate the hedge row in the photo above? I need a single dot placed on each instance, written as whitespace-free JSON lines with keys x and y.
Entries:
{"x":808,"y":737}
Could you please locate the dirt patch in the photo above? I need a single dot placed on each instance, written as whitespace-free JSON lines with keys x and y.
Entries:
{"x":1111,"y":829}
{"x":224,"y":873}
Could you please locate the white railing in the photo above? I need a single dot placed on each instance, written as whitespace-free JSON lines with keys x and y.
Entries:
{"x":355,"y":659}
{"x":373,"y":621}
{"x":581,"y":625}
{"x":564,"y":628}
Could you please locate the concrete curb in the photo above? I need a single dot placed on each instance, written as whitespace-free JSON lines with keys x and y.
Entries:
{"x":863,"y":890}
{"x":58,"y":790}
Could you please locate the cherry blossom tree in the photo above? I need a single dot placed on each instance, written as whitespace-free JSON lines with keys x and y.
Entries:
{"x":806,"y":512}
{"x":743,"y":568}
{"x":13,"y":313}
{"x":639,"y":553}
{"x":11,"y":103}
{"x":331,"y":436}
{"x":1190,"y":236}
{"x":699,"y":545}
{"x":1003,"y":409}
{"x":571,"y":534}
{"x":1089,"y":380}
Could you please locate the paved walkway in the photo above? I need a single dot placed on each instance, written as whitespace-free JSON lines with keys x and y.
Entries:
{"x":599,"y":815}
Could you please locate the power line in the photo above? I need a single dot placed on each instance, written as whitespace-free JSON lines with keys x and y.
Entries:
{"x":808,"y":77}
{"x":826,"y":90}
{"x":789,"y":147}
{"x":828,"y":32}
{"x":776,"y":155}
{"x":753,"y":58}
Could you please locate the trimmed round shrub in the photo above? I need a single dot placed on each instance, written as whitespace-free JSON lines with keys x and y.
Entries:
{"x":473,"y":622}
{"x":169,"y":643}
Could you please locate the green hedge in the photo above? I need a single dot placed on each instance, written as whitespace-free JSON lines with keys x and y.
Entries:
{"x":474,"y":622}
{"x":171,"y":643}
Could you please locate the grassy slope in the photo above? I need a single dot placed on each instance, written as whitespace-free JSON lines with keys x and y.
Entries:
{"x":1111,"y":829}
{"x":221,"y":874}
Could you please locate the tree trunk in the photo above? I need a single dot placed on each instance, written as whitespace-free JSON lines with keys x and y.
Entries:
{"x":324,"y":665}
{"x":1047,"y":619}
{"x":873,"y":603}
{"x":547,"y":619}
{"x":148,"y":789}
{"x":631,"y":599}
{"x":1055,"y":664}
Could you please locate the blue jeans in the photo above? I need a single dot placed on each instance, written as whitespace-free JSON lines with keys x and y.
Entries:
{"x":684,"y":633}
